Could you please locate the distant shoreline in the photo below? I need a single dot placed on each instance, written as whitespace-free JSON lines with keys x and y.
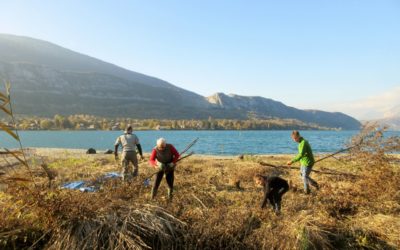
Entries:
{"x":138,"y":129}
{"x":80,"y":152}
{"x":43,"y":150}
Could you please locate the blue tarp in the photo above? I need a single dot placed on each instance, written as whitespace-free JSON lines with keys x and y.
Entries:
{"x":73,"y":185}
{"x":146,"y":182}
{"x":88,"y":189}
{"x":112,"y":175}
{"x":83,"y":185}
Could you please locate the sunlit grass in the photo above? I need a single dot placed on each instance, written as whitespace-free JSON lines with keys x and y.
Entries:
{"x":347,"y":212}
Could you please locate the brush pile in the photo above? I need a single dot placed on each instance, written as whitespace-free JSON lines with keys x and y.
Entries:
{"x":144,"y":227}
{"x":65,"y":220}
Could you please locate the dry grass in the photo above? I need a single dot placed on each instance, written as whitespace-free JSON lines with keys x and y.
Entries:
{"x":215,"y":206}
{"x":208,"y":211}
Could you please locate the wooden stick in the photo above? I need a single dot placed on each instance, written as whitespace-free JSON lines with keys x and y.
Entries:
{"x":204,"y":206}
{"x":191,"y":153}
{"x":337,"y":152}
{"x":181,"y":158}
{"x":189,"y":146}
{"x":323,"y":158}
{"x":316,"y":171}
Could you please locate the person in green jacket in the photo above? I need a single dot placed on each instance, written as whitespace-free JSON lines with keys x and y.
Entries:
{"x":306,"y":158}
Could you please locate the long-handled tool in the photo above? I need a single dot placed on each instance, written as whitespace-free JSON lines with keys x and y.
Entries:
{"x":337,"y":152}
{"x":147,"y":179}
{"x":189,"y":146}
{"x":323,"y":158}
{"x":331,"y":172}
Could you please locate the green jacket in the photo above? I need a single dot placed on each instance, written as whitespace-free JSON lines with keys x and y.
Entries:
{"x":305,"y":155}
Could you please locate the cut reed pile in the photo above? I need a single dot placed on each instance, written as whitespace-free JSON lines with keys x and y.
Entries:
{"x":59,"y":219}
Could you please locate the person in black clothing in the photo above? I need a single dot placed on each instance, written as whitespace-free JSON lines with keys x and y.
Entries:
{"x":274,"y":188}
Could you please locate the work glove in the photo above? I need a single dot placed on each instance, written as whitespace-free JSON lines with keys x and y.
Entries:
{"x":170,"y":167}
{"x":161,"y":166}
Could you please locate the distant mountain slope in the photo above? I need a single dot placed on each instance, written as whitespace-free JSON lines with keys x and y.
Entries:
{"x":48,"y":79}
{"x":392,"y":122}
{"x":24,"y":51}
{"x":267,"y":108}
{"x":18,"y":49}
{"x":391,"y":119}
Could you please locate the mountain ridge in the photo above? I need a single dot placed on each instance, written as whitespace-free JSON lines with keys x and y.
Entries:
{"x":60,"y":81}
{"x":269,"y":108}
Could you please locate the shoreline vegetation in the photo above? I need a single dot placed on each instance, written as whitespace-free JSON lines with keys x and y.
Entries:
{"x":215,"y":204}
{"x":90,"y":122}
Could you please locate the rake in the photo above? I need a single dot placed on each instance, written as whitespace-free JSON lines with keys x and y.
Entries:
{"x":147,"y":179}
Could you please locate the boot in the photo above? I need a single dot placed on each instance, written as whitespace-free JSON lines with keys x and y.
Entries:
{"x":126,"y":177}
{"x":135,"y":172}
{"x":169,"y":193}
{"x":277,"y":208}
{"x":153,"y":193}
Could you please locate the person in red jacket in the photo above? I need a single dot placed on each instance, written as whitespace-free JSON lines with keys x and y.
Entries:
{"x":164,"y":157}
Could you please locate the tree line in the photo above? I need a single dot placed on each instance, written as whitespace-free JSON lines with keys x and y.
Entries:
{"x":90,"y":122}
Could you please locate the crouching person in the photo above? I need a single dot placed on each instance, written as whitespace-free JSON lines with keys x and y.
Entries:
{"x":164,"y":157}
{"x":274,"y":188}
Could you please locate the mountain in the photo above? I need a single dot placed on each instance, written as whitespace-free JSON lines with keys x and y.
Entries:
{"x":44,"y":73}
{"x":267,"y":108}
{"x":391,"y":119}
{"x":48,"y":79}
{"x":393,"y":122}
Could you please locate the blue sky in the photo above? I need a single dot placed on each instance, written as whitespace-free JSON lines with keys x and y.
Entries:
{"x":308,"y":54}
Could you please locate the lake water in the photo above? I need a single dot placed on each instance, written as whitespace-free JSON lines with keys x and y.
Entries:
{"x":210,"y":142}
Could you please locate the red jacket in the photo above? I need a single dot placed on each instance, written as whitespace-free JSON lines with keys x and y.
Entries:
{"x":153,"y":155}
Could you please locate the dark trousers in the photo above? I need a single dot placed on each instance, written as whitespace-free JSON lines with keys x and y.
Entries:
{"x":275,"y":197}
{"x":169,"y":176}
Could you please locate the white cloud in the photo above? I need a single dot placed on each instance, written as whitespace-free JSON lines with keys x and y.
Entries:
{"x":383,"y":105}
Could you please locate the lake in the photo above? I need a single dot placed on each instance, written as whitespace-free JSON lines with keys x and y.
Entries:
{"x":210,"y":142}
